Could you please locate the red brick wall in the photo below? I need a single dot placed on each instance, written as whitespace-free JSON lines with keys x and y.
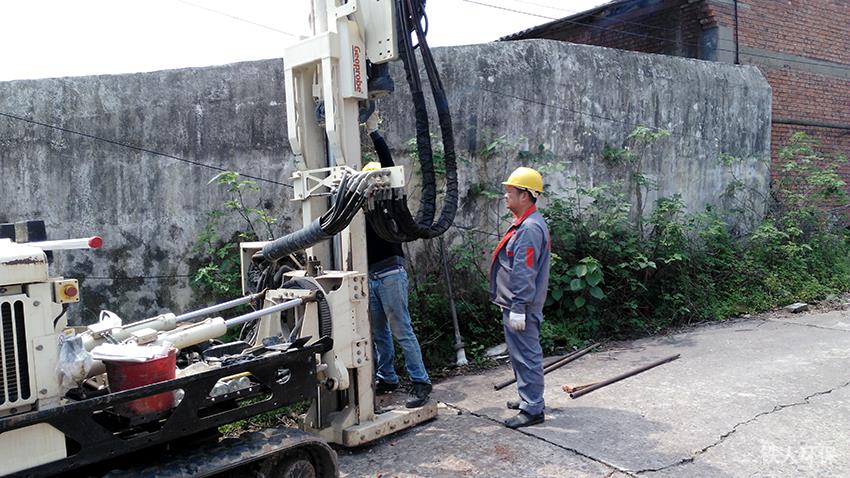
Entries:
{"x":817,"y":30}
{"x":811,"y":96}
{"x":812,"y":28}
{"x":833,"y":143}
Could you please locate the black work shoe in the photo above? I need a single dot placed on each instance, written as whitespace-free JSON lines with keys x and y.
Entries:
{"x":382,"y":387}
{"x":512,"y":404}
{"x":524,"y":420}
{"x":419,"y":395}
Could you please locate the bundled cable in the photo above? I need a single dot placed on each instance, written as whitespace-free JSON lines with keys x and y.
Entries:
{"x":389,"y":216}
{"x":348,"y":198}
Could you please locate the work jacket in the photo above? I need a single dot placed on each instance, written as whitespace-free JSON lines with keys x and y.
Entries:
{"x":519,"y":271}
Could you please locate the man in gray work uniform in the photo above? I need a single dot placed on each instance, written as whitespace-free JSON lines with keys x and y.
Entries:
{"x":519,"y":279}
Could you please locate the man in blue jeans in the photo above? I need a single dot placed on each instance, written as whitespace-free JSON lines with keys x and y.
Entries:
{"x":388,"y":301}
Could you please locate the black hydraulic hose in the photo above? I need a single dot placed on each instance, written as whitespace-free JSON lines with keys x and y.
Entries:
{"x":296,"y":241}
{"x":442,"y":105}
{"x":422,"y":226}
{"x":399,"y":225}
{"x":427,"y":206}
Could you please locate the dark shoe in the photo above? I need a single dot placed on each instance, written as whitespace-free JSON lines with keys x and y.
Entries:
{"x":523,"y":420}
{"x":419,"y":395}
{"x":382,"y":387}
{"x":512,"y":404}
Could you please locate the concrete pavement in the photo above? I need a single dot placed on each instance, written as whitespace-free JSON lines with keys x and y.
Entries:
{"x":762,"y":397}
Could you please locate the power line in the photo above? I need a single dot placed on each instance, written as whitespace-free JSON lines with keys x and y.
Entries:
{"x":472,"y":229}
{"x":133,"y":278}
{"x":596,"y":15}
{"x":546,"y":6}
{"x":509,"y":9}
{"x":137,"y":148}
{"x":823,"y":63}
{"x":238,"y":18}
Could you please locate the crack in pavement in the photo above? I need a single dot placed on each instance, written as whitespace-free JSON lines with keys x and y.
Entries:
{"x":613,"y":468}
{"x":789,"y":322}
{"x":723,"y":437}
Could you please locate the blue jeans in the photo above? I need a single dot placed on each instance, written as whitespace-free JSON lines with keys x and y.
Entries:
{"x":390,"y":318}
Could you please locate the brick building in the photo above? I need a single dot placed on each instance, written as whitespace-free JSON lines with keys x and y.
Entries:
{"x":801,"y":46}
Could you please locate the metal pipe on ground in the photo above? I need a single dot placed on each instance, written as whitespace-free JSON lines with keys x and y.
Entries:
{"x":553,"y":365}
{"x":459,"y":346}
{"x":569,"y":358}
{"x":576,"y":392}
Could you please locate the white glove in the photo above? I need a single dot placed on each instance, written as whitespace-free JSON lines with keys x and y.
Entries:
{"x":516,"y":322}
{"x":372,"y":122}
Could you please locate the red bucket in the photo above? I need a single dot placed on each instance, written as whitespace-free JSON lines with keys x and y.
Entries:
{"x":127,"y":375}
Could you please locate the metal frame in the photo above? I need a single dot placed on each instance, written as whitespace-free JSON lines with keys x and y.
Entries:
{"x":88,"y":422}
{"x":320,"y":182}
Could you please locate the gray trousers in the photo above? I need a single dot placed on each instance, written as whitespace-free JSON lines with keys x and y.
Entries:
{"x":527,"y":361}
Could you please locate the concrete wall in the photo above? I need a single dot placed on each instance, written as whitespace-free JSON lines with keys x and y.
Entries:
{"x":553,"y":104}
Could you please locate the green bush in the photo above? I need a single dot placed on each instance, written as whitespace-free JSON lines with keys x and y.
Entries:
{"x":618,"y":272}
{"x":218,"y":274}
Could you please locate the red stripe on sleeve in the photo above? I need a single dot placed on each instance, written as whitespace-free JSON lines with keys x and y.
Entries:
{"x":529,"y":257}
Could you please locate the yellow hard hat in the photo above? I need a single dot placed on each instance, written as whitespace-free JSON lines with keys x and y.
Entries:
{"x":372,"y":166}
{"x":525,"y":178}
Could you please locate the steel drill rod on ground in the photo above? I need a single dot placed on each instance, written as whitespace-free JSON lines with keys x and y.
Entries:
{"x":569,"y":358}
{"x":585,"y":389}
{"x":289,"y":304}
{"x":207,"y":311}
{"x":555,"y":364}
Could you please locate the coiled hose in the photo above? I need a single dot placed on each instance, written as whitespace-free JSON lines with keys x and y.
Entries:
{"x":390,"y":217}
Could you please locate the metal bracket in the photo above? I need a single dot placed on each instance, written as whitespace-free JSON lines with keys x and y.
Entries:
{"x":346,"y":9}
{"x":322,"y":182}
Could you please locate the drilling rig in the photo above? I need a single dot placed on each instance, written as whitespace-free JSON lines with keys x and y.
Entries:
{"x":146,"y":397}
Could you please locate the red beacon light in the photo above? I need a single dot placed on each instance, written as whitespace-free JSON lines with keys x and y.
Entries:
{"x":95,"y":242}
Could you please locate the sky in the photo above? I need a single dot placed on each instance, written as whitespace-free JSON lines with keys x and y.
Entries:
{"x":54,"y":38}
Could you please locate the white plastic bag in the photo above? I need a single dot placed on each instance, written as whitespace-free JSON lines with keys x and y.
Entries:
{"x":74,"y":362}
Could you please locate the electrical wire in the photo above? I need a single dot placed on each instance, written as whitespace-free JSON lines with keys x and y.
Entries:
{"x":239,"y":18}
{"x":137,"y":148}
{"x":821,"y":63}
{"x":127,"y":278}
{"x":512,"y":10}
{"x":596,"y":15}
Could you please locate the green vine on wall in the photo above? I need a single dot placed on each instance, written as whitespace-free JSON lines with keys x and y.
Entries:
{"x":219,"y":273}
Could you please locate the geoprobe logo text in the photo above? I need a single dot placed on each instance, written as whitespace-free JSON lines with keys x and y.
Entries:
{"x":358,"y":74}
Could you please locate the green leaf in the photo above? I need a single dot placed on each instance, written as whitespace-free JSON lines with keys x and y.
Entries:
{"x":579,"y":302}
{"x":594,"y":278}
{"x":597,"y":293}
{"x":557,"y":294}
{"x":581,"y":270}
{"x":576,"y":285}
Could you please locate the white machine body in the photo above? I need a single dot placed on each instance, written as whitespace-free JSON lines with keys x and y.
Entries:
{"x":30,"y":320}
